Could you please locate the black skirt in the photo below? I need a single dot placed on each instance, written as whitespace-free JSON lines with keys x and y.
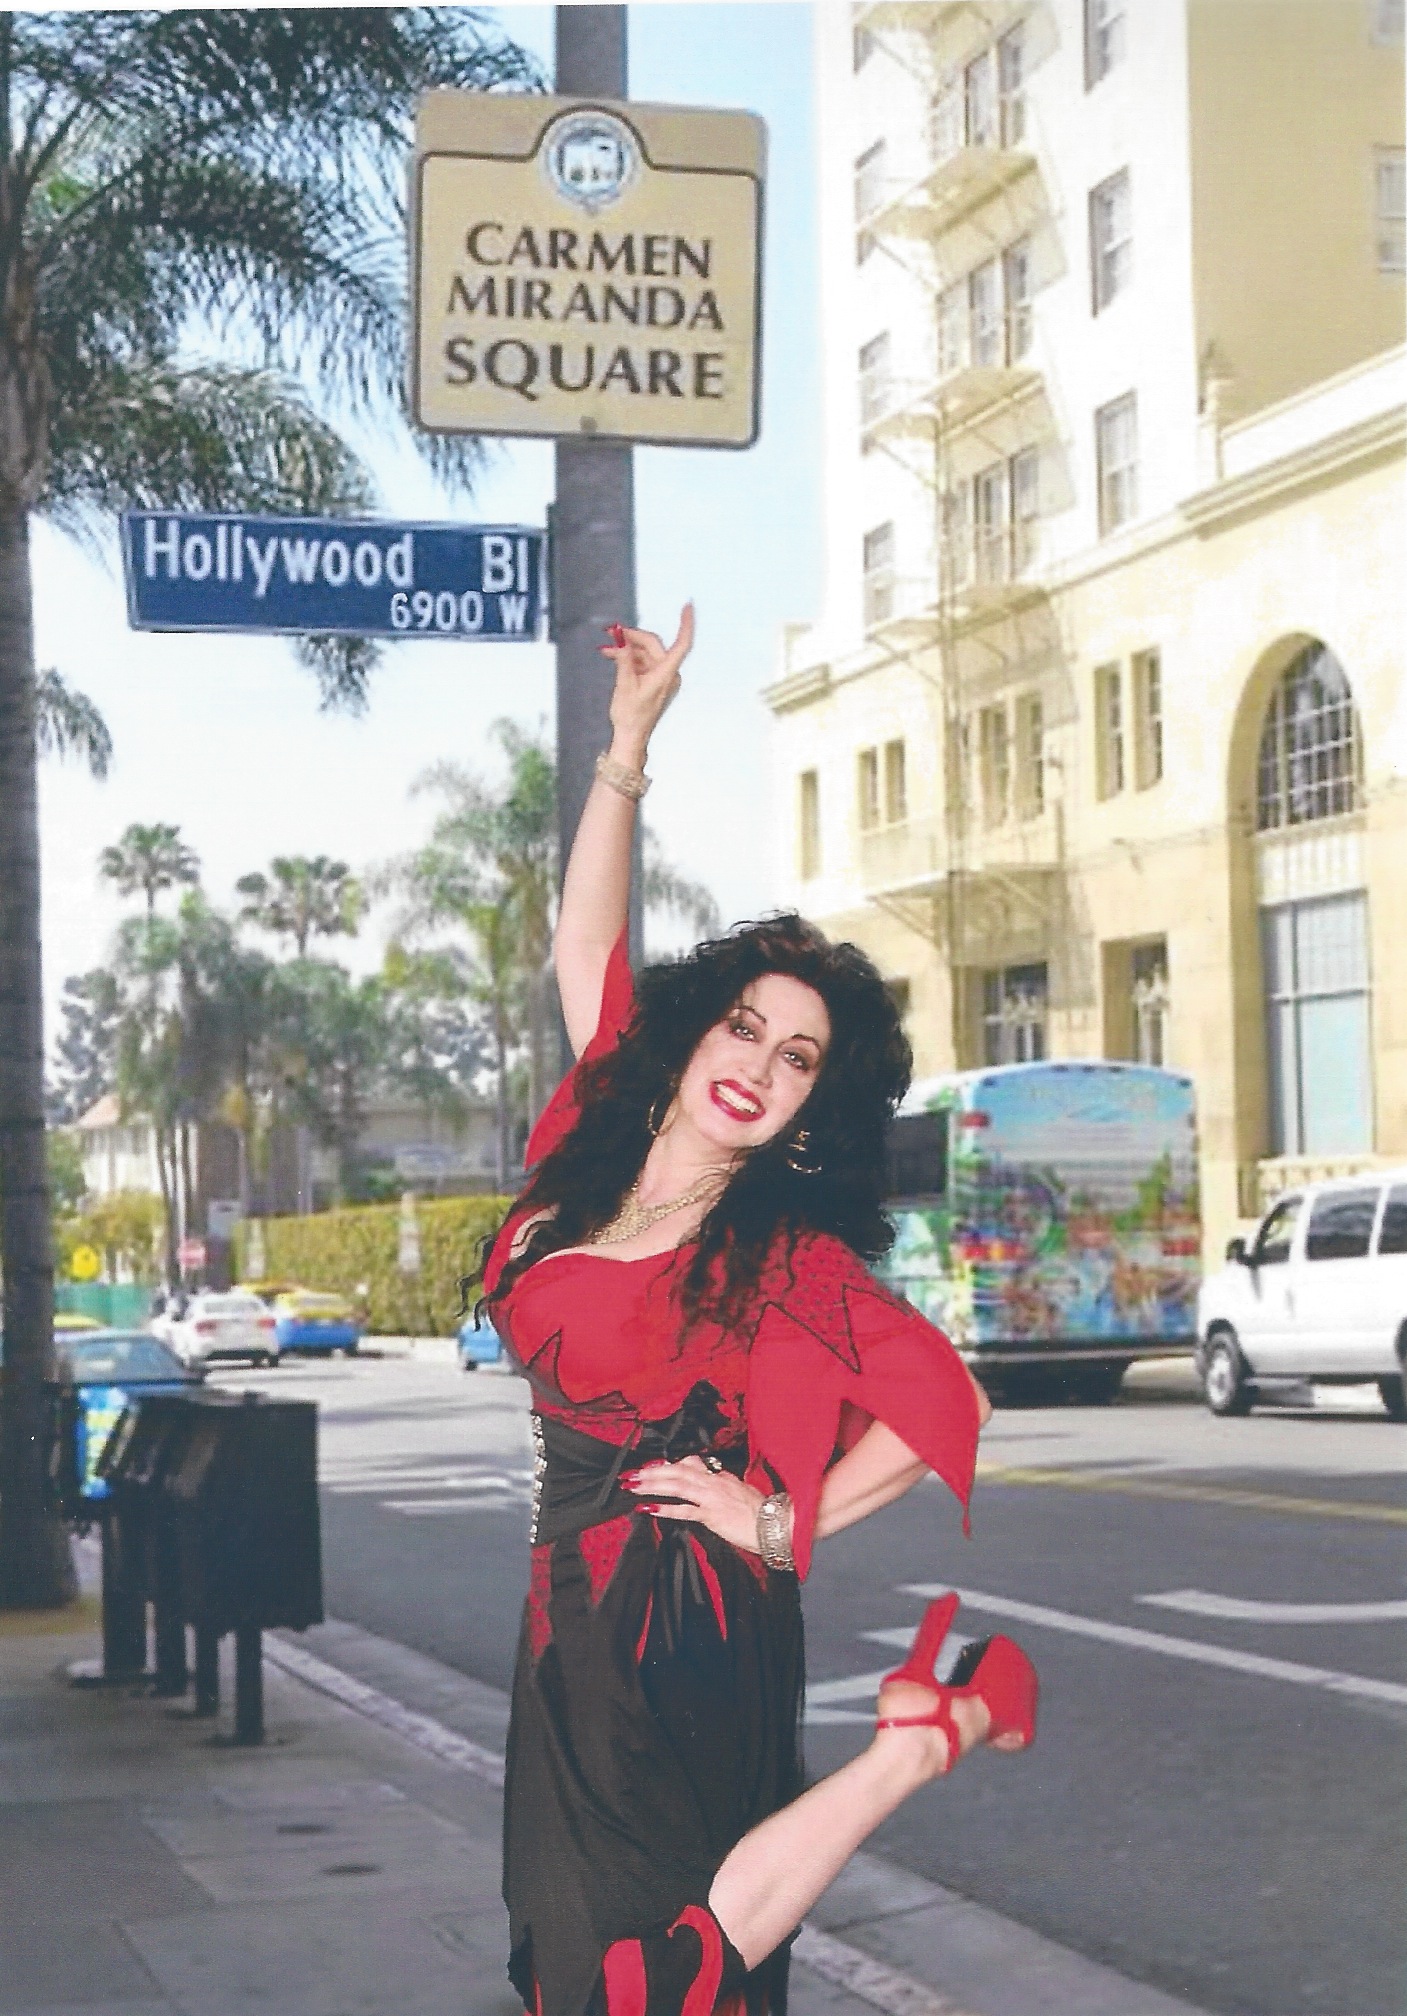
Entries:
{"x":656,"y":1719}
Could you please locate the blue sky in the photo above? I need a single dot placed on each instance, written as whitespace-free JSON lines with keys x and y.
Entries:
{"x":223,"y":736}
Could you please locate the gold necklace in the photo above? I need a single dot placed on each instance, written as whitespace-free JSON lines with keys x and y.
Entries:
{"x":633,"y":1216}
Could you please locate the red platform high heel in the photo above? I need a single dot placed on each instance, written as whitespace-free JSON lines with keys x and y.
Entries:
{"x":994,"y":1670}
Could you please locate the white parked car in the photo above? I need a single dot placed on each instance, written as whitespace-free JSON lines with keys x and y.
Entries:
{"x":229,"y":1325}
{"x":1319,"y":1293}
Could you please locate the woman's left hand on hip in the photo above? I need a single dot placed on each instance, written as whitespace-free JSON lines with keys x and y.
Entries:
{"x":705,"y":1497}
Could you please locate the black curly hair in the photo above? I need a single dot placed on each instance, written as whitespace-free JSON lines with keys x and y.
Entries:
{"x":864,"y":1075}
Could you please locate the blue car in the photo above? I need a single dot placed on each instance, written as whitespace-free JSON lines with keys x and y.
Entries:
{"x":305,"y":1320}
{"x":478,"y":1347}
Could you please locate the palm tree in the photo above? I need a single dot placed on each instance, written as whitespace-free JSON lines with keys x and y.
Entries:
{"x":304,"y":896}
{"x":163,"y":172}
{"x":149,"y":859}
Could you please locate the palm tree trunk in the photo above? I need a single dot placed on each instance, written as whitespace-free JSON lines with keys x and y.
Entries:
{"x":165,"y":1168}
{"x":500,"y":1052}
{"x":36,"y":1571}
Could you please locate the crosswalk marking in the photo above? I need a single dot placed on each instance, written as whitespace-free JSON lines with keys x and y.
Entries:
{"x":1246,"y":1610}
{"x":1359,"y":1685}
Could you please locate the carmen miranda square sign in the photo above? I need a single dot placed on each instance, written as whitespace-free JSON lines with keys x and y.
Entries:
{"x":582,"y":269}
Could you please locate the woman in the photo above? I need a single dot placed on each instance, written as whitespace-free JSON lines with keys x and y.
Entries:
{"x":682,"y":1281}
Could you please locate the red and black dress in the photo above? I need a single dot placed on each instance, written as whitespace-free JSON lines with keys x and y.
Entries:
{"x":658,"y":1691}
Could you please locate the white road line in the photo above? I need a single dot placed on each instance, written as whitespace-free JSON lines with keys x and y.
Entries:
{"x":1246,"y":1610}
{"x":430,"y":1508}
{"x":885,"y":1989}
{"x":1355,"y":1684}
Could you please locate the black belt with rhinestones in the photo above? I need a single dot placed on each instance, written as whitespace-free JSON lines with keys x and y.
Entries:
{"x":576,"y":1477}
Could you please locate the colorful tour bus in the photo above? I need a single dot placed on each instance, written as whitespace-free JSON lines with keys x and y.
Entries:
{"x":1047,"y":1219}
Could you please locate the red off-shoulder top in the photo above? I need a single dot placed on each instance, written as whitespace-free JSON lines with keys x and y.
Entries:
{"x":824,"y":1349}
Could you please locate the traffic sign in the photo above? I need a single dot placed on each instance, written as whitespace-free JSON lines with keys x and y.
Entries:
{"x":222,"y":1214}
{"x":85,"y":1263}
{"x":586,"y":268}
{"x":334,"y":577}
{"x":190,"y":1255}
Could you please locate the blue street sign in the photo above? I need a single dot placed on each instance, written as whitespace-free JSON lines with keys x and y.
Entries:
{"x":356,"y":577}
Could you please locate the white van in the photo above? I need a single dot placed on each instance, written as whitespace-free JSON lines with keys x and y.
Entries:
{"x":1319,"y":1293}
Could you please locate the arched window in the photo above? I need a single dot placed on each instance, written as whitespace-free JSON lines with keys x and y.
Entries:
{"x":1310,"y":764}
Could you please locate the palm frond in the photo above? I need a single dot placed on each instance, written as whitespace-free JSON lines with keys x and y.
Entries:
{"x":208,"y":437}
{"x":68,"y":723}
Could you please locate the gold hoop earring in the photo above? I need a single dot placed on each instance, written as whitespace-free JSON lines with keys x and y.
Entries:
{"x":654,"y":1119}
{"x":800,"y":1156}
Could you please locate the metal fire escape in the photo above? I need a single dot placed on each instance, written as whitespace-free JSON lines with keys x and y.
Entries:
{"x":973,"y":884}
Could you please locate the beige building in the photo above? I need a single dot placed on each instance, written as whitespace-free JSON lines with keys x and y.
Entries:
{"x":1099,"y":744}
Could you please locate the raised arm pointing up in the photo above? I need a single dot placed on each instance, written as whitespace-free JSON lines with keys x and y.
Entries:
{"x":596,"y":887}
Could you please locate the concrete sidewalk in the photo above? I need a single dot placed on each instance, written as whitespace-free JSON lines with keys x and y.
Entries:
{"x":350,"y":1865}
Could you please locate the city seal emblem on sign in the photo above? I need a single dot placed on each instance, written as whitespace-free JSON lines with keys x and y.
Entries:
{"x":591,"y":158}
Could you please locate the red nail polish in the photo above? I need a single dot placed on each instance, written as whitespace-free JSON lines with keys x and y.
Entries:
{"x":617,"y":635}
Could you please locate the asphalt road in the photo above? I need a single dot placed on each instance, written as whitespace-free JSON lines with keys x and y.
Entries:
{"x":1217,"y":1802}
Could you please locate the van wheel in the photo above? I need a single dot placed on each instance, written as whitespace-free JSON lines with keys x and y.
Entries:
{"x":1394,"y":1397}
{"x":1224,"y":1379}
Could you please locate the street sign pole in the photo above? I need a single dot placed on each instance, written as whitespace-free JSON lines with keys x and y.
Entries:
{"x":593,"y":524}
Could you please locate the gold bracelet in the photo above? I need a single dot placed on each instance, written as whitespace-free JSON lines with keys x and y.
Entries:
{"x":774,"y":1533}
{"x":630,"y":783}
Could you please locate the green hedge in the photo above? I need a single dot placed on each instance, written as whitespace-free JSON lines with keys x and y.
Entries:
{"x":340,"y":1250}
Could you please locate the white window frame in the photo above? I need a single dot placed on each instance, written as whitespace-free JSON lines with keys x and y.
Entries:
{"x":1110,"y":731}
{"x":1148,"y":748}
{"x":896,"y":782}
{"x":1030,"y":755}
{"x":1110,"y":240}
{"x":869,"y":181}
{"x":876,"y":378}
{"x":878,"y":552}
{"x":867,"y":809}
{"x":994,"y":749}
{"x":808,"y":825}
{"x":1116,"y":458}
{"x":1106,"y":38}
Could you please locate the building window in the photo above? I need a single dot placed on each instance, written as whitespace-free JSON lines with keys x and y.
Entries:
{"x":1147,"y":719}
{"x":881,"y":787}
{"x":1016,"y":276}
{"x":1014,"y":1008}
{"x":879,"y":575}
{"x":1310,"y":763}
{"x":896,"y":788}
{"x":1025,"y":470}
{"x":989,"y":497}
{"x":1116,"y":453}
{"x":1315,"y":961}
{"x":1387,"y":21}
{"x":1149,"y":999}
{"x":1030,"y":755}
{"x":875,"y":379}
{"x":1110,"y":239}
{"x":1105,"y":38}
{"x":808,"y":848}
{"x":1011,"y":83}
{"x":984,"y":300}
{"x":867,"y":789}
{"x":869,"y":182}
{"x":1108,"y":730}
{"x":862,"y":47}
{"x":1390,"y":173}
{"x":994,"y":745}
